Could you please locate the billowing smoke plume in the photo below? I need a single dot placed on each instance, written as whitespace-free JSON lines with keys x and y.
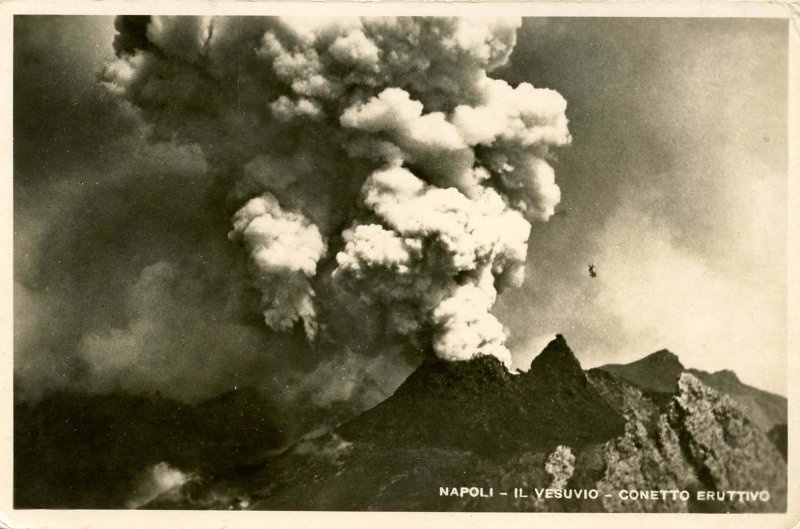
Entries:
{"x":284,"y":250}
{"x":376,"y":173}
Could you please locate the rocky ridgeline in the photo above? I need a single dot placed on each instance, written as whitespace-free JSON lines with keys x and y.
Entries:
{"x":474,"y":424}
{"x":702,"y":441}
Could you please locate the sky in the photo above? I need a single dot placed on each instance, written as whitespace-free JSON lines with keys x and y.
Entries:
{"x":673,"y":186}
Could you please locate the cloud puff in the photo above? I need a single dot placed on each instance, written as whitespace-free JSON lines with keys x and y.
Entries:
{"x":284,"y":248}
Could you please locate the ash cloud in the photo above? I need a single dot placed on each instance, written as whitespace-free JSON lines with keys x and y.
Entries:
{"x":124,"y":279}
{"x":362,"y":175}
{"x":307,"y":207}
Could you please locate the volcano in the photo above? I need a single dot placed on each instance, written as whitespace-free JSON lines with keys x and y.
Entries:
{"x":551,"y":404}
{"x":474,"y":424}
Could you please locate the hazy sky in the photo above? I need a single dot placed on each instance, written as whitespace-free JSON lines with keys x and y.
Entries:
{"x":674,"y":187}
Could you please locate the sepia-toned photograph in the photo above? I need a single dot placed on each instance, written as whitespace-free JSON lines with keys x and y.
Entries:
{"x":401,"y":263}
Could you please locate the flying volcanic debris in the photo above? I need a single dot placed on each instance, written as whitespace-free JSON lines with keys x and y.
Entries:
{"x":376,"y":171}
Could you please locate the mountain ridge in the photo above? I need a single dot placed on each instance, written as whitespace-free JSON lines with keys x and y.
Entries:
{"x":473,"y":422}
{"x":659,"y":372}
{"x":450,"y":423}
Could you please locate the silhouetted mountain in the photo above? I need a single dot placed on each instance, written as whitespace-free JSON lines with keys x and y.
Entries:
{"x":655,"y":372}
{"x":551,"y":404}
{"x":87,"y":451}
{"x":473,"y":423}
{"x":660,"y":371}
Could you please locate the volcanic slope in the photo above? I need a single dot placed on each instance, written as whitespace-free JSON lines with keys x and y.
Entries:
{"x":473,"y":423}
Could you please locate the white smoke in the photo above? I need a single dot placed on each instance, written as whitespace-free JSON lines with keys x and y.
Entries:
{"x":378,"y":145}
{"x":435,"y":259}
{"x":284,"y":249}
{"x":157,"y":480}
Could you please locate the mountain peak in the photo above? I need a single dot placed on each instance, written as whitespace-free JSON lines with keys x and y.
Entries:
{"x":444,"y":377}
{"x":551,"y":404}
{"x":664,"y":356}
{"x":657,"y":371}
{"x":556,"y":356}
{"x":728,"y":376}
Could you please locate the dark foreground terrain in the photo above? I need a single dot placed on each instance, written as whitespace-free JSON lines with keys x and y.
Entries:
{"x":649,"y":425}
